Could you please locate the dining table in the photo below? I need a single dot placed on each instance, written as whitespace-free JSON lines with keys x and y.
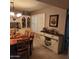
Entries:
{"x":13,"y":41}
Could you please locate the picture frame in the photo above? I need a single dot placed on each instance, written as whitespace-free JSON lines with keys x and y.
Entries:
{"x":53,"y":21}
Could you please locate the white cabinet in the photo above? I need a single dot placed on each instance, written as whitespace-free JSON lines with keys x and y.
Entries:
{"x":20,"y":20}
{"x":55,"y":40}
{"x":54,"y":46}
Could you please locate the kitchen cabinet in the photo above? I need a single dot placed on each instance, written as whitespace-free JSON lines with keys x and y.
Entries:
{"x":55,"y":42}
{"x":21,"y":20}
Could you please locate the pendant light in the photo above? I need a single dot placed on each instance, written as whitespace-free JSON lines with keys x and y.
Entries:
{"x":13,"y":14}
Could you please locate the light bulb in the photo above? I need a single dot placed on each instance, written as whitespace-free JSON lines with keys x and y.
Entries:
{"x":12,"y":13}
{"x":18,"y":14}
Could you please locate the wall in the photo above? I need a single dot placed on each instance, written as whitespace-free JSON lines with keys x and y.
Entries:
{"x":54,"y":11}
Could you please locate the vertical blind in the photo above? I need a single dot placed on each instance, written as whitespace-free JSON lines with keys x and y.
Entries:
{"x":37,"y":22}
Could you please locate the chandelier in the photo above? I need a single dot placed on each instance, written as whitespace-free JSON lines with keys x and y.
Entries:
{"x":13,"y":14}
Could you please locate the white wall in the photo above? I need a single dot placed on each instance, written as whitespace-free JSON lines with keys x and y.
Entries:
{"x":54,"y":11}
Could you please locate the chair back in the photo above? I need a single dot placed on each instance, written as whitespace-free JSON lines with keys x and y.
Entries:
{"x":22,"y":47}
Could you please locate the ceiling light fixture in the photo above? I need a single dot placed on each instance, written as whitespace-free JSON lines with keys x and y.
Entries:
{"x":19,"y":14}
{"x":13,"y":14}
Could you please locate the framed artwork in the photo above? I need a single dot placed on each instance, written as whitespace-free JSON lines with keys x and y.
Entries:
{"x":53,"y":21}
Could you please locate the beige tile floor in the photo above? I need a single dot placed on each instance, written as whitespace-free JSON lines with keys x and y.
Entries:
{"x":40,"y":52}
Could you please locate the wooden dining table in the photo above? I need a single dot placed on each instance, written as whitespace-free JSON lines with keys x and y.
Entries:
{"x":13,"y":41}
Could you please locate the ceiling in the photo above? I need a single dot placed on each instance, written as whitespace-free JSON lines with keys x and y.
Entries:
{"x":59,"y":3}
{"x":33,"y":5}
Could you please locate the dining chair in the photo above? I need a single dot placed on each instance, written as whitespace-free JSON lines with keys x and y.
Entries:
{"x":31,"y":42}
{"x":30,"y":36}
{"x":23,"y":48}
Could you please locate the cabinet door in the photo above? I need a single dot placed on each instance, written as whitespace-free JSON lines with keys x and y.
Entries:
{"x":42,"y":39}
{"x":55,"y":45}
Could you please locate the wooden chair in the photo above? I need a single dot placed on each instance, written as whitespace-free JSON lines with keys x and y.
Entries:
{"x":23,"y":48}
{"x":31,"y":42}
{"x":30,"y":35}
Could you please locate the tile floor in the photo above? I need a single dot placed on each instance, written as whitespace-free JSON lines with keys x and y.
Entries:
{"x":40,"y":52}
